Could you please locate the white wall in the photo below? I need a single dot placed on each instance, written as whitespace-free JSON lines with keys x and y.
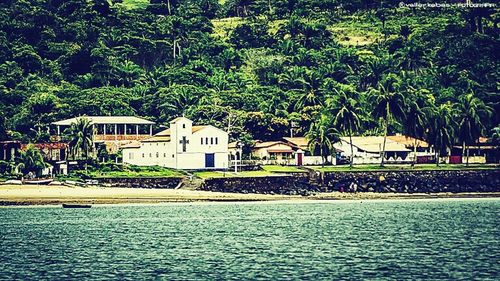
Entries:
{"x":149,"y":154}
{"x":170,"y":154}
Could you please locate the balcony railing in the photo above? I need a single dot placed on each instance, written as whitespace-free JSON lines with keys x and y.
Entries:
{"x":120,"y":137}
{"x":111,"y":137}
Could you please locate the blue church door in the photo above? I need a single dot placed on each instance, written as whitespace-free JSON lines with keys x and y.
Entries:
{"x":209,"y":160}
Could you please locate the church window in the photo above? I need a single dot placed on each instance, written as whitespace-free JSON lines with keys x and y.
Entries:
{"x":206,"y":140}
{"x":211,"y":140}
{"x":157,"y":155}
{"x":216,"y":140}
{"x":201,"y":140}
{"x":143,"y":155}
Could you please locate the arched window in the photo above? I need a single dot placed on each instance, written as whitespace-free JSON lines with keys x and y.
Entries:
{"x":201,"y":140}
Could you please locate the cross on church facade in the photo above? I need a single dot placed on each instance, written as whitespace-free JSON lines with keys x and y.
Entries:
{"x":184,"y":142}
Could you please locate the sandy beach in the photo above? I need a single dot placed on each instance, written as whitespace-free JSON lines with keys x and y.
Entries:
{"x":52,"y":195}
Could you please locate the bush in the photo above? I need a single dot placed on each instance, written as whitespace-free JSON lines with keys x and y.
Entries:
{"x":6,"y":168}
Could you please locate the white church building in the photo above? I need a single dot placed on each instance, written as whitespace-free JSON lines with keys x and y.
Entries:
{"x":182,"y":146}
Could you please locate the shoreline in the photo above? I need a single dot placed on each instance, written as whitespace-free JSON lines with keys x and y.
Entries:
{"x":29,"y":195}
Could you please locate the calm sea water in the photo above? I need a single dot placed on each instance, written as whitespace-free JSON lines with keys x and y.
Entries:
{"x":430,"y":239}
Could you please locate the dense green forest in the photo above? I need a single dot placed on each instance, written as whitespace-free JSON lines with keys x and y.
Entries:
{"x":254,"y":68}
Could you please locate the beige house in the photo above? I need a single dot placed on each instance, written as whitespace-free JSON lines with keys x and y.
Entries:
{"x":274,"y":153}
{"x":368,"y":150}
{"x":309,"y":159}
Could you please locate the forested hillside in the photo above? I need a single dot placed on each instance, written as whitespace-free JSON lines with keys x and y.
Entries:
{"x":252,"y":67}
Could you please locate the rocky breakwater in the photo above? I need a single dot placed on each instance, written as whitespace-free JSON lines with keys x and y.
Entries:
{"x":414,"y":181}
{"x":297,"y":184}
{"x":167,"y":182}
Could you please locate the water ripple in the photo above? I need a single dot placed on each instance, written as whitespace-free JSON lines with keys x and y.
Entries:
{"x":439,"y":240}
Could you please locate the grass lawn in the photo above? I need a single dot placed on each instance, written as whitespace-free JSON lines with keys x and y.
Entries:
{"x":282,"y":169}
{"x":231,"y":174}
{"x":418,"y":167}
{"x":138,"y":173}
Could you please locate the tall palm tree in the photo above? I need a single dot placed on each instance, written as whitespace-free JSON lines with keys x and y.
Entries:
{"x":311,"y":90}
{"x":415,"y":124}
{"x":471,"y":113}
{"x":373,"y":71}
{"x":179,"y":99}
{"x":30,"y":160}
{"x":321,"y":136}
{"x":495,"y":139}
{"x":347,"y":117}
{"x":81,"y":136}
{"x":441,"y":129}
{"x":389,"y":104}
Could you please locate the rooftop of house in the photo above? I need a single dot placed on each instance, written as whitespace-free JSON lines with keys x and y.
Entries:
{"x":375,"y":143}
{"x":164,"y":136}
{"x":131,"y":120}
{"x":132,"y":144}
{"x":266,"y":144}
{"x":157,"y":139}
{"x":301,"y":142}
{"x":408,"y":141}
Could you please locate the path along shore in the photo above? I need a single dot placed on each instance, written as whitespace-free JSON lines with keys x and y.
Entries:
{"x":53,"y":195}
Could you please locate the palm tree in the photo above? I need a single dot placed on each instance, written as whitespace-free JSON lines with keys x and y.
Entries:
{"x":347,"y":117}
{"x":81,"y":136}
{"x":441,"y":132}
{"x":179,"y":99}
{"x":472,"y":112}
{"x":321,"y":136}
{"x":311,"y":90}
{"x":374,"y":69}
{"x":389,"y":104}
{"x":30,"y":160}
{"x":415,"y":124}
{"x":495,"y":139}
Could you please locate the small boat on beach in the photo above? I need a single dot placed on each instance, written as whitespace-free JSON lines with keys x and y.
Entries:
{"x":76,"y":206}
{"x":38,"y":181}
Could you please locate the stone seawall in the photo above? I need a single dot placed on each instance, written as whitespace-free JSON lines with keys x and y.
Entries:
{"x":414,"y":181}
{"x":383,"y":181}
{"x":141,"y":182}
{"x":291,"y":185}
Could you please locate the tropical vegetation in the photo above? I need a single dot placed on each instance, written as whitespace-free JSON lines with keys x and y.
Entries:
{"x":253,"y":67}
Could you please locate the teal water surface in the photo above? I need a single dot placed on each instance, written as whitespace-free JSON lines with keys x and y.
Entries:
{"x":381,"y":240}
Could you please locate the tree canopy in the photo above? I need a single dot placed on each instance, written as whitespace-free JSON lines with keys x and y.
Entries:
{"x":250,"y":66}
